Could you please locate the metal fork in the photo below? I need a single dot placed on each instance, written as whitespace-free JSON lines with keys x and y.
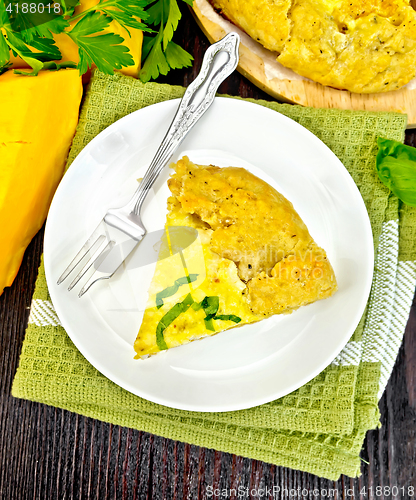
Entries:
{"x":122,"y":229}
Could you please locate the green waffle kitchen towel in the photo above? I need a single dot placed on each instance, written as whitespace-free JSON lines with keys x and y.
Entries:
{"x":320,"y":427}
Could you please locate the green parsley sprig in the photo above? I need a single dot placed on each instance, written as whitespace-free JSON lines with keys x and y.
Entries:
{"x":160,"y":53}
{"x":30,"y":35}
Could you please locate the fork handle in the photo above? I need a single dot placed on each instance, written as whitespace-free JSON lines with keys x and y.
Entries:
{"x":220,"y":60}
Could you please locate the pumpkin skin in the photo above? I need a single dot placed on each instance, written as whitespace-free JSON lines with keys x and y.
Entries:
{"x":38,"y":119}
{"x":69,"y":49}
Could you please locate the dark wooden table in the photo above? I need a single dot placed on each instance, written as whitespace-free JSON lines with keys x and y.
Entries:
{"x":48,"y":453}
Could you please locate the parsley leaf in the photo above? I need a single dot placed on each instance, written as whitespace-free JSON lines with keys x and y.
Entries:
{"x":5,"y":67}
{"x":48,"y":48}
{"x":30,"y":35}
{"x":51,"y":26}
{"x":18,"y":21}
{"x":228,"y":317}
{"x":171,"y":290}
{"x":41,"y":22}
{"x":148,"y":42}
{"x":68,"y":6}
{"x":155,"y":62}
{"x":4,"y":51}
{"x":51,"y":65}
{"x":127,"y":13}
{"x":34,"y":59}
{"x":169,"y":318}
{"x":160,"y":53}
{"x":177,"y":57}
{"x":4,"y":20}
{"x":105,"y":50}
{"x":171,"y":23}
{"x":155,"y":12}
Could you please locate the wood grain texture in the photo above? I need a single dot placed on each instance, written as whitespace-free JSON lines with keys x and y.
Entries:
{"x":257,"y":64}
{"x":48,"y":453}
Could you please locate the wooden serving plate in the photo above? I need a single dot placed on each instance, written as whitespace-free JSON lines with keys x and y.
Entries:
{"x":259,"y":65}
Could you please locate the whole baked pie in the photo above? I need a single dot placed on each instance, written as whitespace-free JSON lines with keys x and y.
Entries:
{"x":362,"y":46}
{"x":252,"y":257}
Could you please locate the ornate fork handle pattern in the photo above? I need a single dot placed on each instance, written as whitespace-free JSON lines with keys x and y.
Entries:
{"x":220,"y":60}
{"x":121,"y":229}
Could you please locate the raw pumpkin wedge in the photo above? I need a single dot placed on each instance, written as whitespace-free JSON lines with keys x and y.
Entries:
{"x":38,"y":119}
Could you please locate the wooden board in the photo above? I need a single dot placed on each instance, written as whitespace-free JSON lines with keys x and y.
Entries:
{"x":256,"y":63}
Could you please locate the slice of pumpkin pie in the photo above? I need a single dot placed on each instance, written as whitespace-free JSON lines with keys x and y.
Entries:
{"x":252,"y":256}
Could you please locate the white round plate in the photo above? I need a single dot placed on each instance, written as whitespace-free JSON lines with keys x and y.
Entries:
{"x":245,"y":366}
